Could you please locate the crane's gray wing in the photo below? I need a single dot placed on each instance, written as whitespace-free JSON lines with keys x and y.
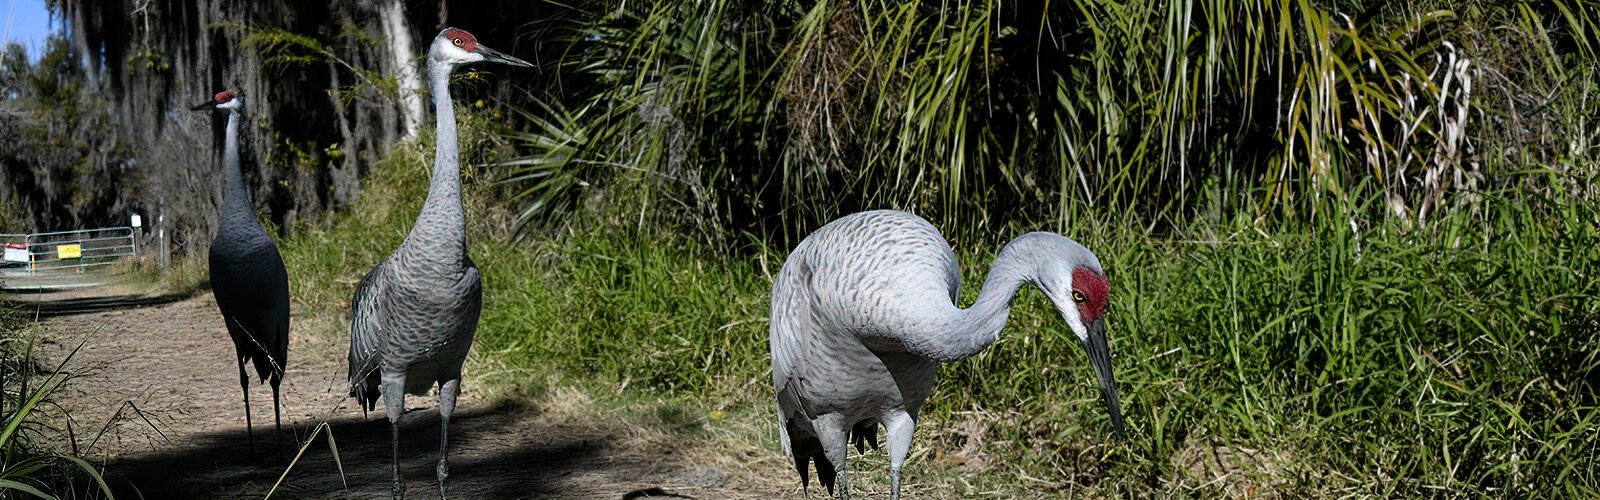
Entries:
{"x":790,"y":324}
{"x":278,"y":340}
{"x":366,"y":335}
{"x":252,"y":291}
{"x":888,"y":278}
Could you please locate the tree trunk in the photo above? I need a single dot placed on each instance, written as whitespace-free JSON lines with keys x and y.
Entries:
{"x":398,"y":32}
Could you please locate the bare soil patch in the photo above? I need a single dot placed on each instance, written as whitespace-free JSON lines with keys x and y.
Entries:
{"x":155,"y":397}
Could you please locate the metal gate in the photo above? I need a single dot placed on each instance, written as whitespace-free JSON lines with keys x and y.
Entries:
{"x":67,"y":251}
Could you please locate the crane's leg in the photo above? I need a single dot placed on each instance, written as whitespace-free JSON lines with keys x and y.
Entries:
{"x":900,"y":426}
{"x":447,"y":405}
{"x":394,"y":405}
{"x":834,"y":435}
{"x":244,"y":385}
{"x":277,"y":419}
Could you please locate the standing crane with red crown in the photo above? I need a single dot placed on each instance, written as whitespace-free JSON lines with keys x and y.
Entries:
{"x":247,"y":274}
{"x":415,"y":314}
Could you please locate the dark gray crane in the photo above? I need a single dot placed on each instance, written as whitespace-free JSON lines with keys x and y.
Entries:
{"x":864,"y":312}
{"x":247,"y":275}
{"x":414,"y":314}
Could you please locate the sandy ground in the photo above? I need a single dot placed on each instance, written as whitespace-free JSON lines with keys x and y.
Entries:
{"x":156,"y":397}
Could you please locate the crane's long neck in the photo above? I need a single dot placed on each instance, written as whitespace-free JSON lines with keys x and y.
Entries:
{"x":235,"y":199}
{"x":442,"y":223}
{"x":966,"y":332}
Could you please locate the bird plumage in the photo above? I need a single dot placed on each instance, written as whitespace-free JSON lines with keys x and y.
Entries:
{"x":864,"y":312}
{"x":364,"y":342}
{"x":414,"y":315}
{"x":247,"y":274}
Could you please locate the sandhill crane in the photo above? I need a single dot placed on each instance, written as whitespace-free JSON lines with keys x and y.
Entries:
{"x":247,"y":275}
{"x":414,"y":314}
{"x":863,"y":313}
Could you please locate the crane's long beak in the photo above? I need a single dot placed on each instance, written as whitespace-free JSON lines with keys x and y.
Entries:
{"x":1100,"y":360}
{"x":209,"y":104}
{"x":497,"y":56}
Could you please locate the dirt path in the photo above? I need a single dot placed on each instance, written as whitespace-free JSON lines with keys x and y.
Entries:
{"x":173,"y":364}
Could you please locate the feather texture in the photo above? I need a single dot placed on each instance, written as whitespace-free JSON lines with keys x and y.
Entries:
{"x":248,"y":279}
{"x":864,"y":312}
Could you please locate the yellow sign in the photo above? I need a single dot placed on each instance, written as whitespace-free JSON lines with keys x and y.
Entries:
{"x":72,"y":251}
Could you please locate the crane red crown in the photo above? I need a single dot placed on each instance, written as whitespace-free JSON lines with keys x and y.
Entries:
{"x":224,"y":96}
{"x":1094,"y":288}
{"x":460,"y":38}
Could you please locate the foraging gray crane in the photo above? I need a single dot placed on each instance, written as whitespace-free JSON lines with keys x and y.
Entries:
{"x":414,"y":314}
{"x":247,"y":275}
{"x":863,"y":314}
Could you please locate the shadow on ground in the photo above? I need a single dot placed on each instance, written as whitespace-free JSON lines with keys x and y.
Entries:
{"x":162,"y":378}
{"x":493,"y":460}
{"x":85,"y":305}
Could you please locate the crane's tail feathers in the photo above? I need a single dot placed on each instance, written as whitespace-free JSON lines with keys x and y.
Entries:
{"x":269,"y":368}
{"x":863,"y":433}
{"x":825,"y":471}
{"x":802,"y":464}
{"x":366,"y":396}
{"x":269,"y":358}
{"x":364,"y":385}
{"x":807,"y":449}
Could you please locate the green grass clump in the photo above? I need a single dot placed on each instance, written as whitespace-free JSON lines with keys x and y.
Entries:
{"x":1383,"y":362}
{"x":657,"y":311}
{"x":326,"y":261}
{"x":27,"y":466}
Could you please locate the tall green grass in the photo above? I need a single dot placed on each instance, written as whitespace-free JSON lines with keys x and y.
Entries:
{"x":657,"y":310}
{"x":774,"y":117}
{"x":1377,"y":363}
{"x":28,"y":467}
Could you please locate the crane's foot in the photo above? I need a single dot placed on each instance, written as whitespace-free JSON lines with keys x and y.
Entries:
{"x":399,"y":490}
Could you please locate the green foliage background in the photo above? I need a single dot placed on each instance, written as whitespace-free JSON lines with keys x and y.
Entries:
{"x":774,"y":117}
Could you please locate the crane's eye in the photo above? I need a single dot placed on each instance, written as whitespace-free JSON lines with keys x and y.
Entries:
{"x":1078,"y":297}
{"x":457,"y":41}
